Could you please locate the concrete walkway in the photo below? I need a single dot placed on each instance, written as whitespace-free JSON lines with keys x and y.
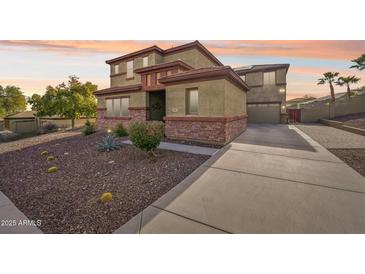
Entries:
{"x":12,"y":220}
{"x":184,"y":148}
{"x":271,"y":179}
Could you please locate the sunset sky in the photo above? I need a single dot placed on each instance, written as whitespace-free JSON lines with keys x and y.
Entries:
{"x":32,"y":65}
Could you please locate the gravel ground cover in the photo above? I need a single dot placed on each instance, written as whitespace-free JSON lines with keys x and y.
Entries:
{"x":354,"y":120}
{"x":31,"y":141}
{"x":355,"y":158}
{"x":67,"y":201}
{"x":347,"y":146}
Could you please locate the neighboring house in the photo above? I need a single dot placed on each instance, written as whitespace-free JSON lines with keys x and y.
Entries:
{"x":21,"y":122}
{"x":266,"y":100}
{"x":186,"y":86}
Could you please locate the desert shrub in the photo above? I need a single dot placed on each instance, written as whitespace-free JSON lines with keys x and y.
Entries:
{"x":108,"y":143}
{"x":53,"y":169}
{"x":48,"y":127}
{"x":50,"y":158}
{"x":44,"y":153}
{"x":120,"y":131}
{"x":89,"y":128}
{"x":106,"y":197}
{"x":146,"y":135}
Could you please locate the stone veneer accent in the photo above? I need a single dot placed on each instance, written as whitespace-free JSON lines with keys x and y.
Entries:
{"x":219,"y":130}
{"x":136,"y":114}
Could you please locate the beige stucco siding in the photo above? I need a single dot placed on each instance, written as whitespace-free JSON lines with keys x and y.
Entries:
{"x":120,"y":79}
{"x":136,"y":99}
{"x":235,"y":100}
{"x":193,"y":57}
{"x":211,"y":98}
{"x":281,"y":76}
{"x":254,"y":78}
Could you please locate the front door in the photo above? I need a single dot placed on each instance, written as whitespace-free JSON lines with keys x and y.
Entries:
{"x":157,"y":105}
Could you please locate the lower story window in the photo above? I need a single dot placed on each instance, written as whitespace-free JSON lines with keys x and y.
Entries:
{"x":117,"y":107}
{"x":192,"y":102}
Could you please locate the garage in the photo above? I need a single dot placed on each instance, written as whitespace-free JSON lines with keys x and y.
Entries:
{"x":264,"y":113}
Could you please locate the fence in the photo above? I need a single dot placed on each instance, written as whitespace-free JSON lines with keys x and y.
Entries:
{"x":312,"y":113}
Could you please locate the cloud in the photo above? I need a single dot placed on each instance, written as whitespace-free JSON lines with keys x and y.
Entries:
{"x":338,"y":50}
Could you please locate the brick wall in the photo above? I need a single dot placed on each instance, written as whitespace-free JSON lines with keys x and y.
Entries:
{"x":135,"y":115}
{"x":207,"y":129}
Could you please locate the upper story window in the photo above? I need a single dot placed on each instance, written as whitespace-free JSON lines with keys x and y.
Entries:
{"x":158,"y":76}
{"x":192,"y":101}
{"x":117,"y":107}
{"x":269,"y":78}
{"x":149,"y":79}
{"x":116,"y":69}
{"x":145,"y":61}
{"x":130,"y":69}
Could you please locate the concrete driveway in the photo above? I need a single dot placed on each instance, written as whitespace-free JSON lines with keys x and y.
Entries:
{"x":271,"y":179}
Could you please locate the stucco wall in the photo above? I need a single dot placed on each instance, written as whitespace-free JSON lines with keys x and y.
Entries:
{"x":211,"y":98}
{"x":136,"y":99}
{"x":312,"y":113}
{"x":254,"y":78}
{"x":193,"y":57}
{"x":235,"y":100}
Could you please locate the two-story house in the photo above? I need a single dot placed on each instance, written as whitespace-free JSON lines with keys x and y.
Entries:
{"x":266,"y":100}
{"x":186,"y":86}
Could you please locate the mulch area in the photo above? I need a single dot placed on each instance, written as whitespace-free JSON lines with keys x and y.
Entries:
{"x":354,"y":120}
{"x":355,"y":158}
{"x":67,"y":201}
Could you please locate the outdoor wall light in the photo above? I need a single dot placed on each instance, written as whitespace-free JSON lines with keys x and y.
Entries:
{"x":109,"y":130}
{"x":283,"y":107}
{"x":282,"y":90}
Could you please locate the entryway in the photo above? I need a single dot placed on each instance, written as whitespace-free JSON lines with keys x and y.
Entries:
{"x":157,"y":105}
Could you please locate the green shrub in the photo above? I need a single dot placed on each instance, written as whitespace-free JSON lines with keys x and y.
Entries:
{"x":53,"y":169}
{"x":44,"y":153}
{"x":120,"y":131}
{"x":108,"y":143}
{"x":89,"y":128}
{"x":106,"y":197}
{"x":146,"y":135}
{"x":50,"y":158}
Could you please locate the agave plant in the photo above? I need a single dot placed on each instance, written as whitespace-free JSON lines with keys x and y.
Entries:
{"x":109,"y":143}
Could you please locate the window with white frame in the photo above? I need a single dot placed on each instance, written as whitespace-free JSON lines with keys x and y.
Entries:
{"x":117,"y":107}
{"x":145,"y":61}
{"x":269,"y":78}
{"x":192,"y":102}
{"x":116,"y":69}
{"x":130,"y":69}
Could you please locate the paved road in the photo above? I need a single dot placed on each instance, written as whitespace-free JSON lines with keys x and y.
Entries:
{"x":331,"y":137}
{"x":271,"y":179}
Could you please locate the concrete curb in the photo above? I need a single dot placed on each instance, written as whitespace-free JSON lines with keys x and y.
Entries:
{"x":342,"y":126}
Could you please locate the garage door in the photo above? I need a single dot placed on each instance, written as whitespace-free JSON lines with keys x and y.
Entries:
{"x":263,"y":113}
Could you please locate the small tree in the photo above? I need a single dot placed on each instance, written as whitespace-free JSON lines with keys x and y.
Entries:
{"x":329,"y":77}
{"x":146,"y":135}
{"x":71,"y":100}
{"x":359,"y":62}
{"x":12,"y":100}
{"x":347,"y":81}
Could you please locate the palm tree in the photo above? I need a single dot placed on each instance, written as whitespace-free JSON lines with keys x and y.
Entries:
{"x":347,"y":81}
{"x":329,"y":77}
{"x":360,"y":62}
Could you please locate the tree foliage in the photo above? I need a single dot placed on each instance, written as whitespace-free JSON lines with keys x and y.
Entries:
{"x":346,"y":81}
{"x":359,"y":62}
{"x":71,"y":100}
{"x":12,"y":100}
{"x":330,"y":78}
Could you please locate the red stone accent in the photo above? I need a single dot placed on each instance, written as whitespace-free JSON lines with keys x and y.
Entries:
{"x":135,"y":115}
{"x":207,"y":129}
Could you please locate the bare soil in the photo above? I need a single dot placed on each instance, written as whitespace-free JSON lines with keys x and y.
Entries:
{"x":67,"y":201}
